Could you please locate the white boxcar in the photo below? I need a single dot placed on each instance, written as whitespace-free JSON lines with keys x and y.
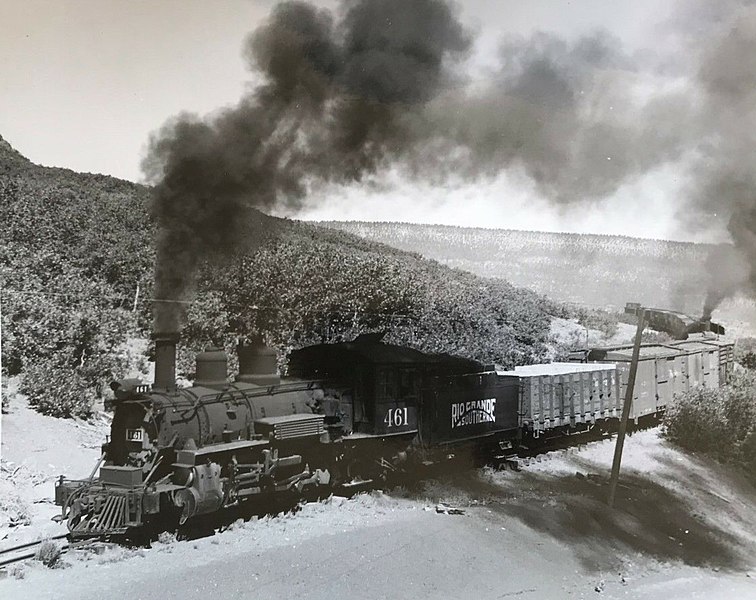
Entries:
{"x":566,"y":394}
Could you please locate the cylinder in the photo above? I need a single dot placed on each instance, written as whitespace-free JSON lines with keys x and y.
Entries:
{"x":165,"y":361}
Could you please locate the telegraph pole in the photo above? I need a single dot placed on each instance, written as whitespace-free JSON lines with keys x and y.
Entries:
{"x":626,"y":408}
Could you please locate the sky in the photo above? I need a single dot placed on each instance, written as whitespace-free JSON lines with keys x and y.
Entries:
{"x":83,"y":84}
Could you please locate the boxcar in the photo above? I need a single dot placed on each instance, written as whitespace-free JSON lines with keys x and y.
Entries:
{"x":666,"y":370}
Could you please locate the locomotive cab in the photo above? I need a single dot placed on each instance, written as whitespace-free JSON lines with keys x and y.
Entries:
{"x":384,"y":381}
{"x":389,"y":383}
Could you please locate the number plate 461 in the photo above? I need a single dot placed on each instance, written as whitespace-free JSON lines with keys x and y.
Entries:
{"x":397,"y":417}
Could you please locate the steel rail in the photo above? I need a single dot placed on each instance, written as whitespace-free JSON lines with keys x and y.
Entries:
{"x":27,"y":555}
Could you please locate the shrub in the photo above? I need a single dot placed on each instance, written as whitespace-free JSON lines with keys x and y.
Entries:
{"x":606,"y":323}
{"x":697,"y":421}
{"x":66,"y":347}
{"x":745,"y":352}
{"x":166,"y":537}
{"x":720,"y":423}
{"x":49,"y":553}
{"x":57,"y":390}
{"x":13,"y":508}
{"x":17,"y":571}
{"x":649,"y":336}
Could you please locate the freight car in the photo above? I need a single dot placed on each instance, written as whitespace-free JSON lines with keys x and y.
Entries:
{"x":565,"y":398}
{"x":677,"y":324}
{"x":349,"y":412}
{"x":666,"y":370}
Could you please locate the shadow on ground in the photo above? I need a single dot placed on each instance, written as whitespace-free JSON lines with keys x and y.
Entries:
{"x":648,"y":518}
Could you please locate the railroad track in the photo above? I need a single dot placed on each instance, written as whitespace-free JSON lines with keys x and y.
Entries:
{"x":15,"y":554}
{"x":559,"y":445}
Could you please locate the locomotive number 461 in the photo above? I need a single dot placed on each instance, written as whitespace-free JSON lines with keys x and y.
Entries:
{"x":134,"y":435}
{"x":396,"y":417}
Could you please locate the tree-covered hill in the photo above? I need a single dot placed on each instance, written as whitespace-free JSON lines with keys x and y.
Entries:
{"x":601,"y":271}
{"x":618,"y":268}
{"x":76,"y":259}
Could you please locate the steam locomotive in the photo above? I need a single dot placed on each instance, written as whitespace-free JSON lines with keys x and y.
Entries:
{"x":348,"y":413}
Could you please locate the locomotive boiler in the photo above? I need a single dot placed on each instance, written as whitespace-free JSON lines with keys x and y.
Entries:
{"x":180,"y":453}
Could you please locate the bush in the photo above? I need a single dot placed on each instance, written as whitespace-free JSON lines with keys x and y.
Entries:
{"x":74,"y":248}
{"x":649,"y":336}
{"x":606,"y":323}
{"x":69,"y":356}
{"x":745,"y":352}
{"x":57,"y":390}
{"x":720,"y":423}
{"x":166,"y":537}
{"x":5,"y":403}
{"x":49,"y":553}
{"x":17,"y":571}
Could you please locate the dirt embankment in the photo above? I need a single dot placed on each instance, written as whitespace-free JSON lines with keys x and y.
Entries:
{"x":34,"y":451}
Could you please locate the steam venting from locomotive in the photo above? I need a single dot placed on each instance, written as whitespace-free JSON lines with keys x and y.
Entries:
{"x":379,"y":83}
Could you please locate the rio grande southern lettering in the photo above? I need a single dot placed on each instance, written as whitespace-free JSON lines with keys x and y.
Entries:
{"x":475,"y":411}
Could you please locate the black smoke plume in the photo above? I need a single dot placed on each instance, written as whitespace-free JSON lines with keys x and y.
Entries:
{"x":334,"y":104}
{"x":347,"y":94}
{"x":584,"y":118}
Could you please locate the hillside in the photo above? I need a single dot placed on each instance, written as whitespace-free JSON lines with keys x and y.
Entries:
{"x":76,"y":259}
{"x":594,"y":270}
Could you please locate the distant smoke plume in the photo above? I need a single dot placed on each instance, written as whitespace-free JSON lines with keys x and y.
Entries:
{"x":584,"y":118}
{"x":332,"y":106}
{"x":725,"y":181}
{"x":727,"y":270}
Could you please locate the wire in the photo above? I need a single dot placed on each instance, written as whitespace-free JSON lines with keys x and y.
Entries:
{"x":347,"y":308}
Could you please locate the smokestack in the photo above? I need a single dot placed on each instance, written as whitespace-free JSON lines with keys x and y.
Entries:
{"x":165,"y":361}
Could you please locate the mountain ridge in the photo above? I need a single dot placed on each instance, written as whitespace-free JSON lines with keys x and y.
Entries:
{"x":475,"y":229}
{"x":592,"y":270}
